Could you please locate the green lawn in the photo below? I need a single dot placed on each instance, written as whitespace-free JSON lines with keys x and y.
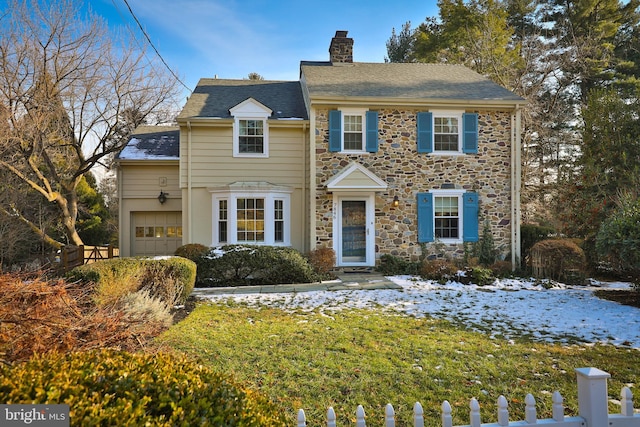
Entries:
{"x":312,"y":361}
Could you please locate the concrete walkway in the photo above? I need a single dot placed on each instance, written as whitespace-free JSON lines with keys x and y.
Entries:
{"x":352,"y":281}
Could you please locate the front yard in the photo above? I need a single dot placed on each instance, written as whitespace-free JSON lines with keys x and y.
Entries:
{"x":369,"y":352}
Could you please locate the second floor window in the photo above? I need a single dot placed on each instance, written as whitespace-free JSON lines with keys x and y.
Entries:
{"x":446,"y":133}
{"x":353,"y":133}
{"x":251,"y":136}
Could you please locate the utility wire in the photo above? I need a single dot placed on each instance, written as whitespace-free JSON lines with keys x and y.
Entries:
{"x":154,"y":48}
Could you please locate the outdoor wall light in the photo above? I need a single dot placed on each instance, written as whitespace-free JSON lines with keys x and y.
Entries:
{"x":396,"y":202}
{"x":162,"y":197}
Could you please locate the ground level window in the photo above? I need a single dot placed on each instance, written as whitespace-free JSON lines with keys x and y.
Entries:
{"x":260,"y":214}
{"x":223,"y":213}
{"x":447,"y":217}
{"x":278,"y":218}
{"x":250,"y":222}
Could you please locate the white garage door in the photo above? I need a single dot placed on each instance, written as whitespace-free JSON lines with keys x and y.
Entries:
{"x":156,"y":233}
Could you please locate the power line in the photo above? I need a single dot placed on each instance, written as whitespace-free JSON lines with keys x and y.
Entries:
{"x":153,"y":47}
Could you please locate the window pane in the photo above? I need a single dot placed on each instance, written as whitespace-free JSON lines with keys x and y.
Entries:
{"x":278,"y":214}
{"x":171,"y":232}
{"x":149,"y":232}
{"x":445,"y":133}
{"x":250,"y":223}
{"x":159,"y":232}
{"x":139,"y":231}
{"x":251,"y":136}
{"x":352,"y":138}
{"x":447,"y":217}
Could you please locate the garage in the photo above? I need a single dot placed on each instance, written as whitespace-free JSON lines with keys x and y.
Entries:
{"x":156,"y":233}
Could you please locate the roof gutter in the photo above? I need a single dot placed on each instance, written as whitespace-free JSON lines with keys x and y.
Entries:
{"x":418,"y":102}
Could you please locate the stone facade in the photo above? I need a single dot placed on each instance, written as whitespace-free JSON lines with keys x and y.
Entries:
{"x":408,"y":172}
{"x":341,"y":48}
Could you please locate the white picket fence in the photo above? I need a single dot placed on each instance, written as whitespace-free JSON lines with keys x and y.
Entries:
{"x":593,"y":409}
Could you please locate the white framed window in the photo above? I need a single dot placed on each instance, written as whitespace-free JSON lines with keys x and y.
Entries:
{"x":250,"y":129}
{"x":250,"y":137}
{"x":447,"y":215}
{"x":353,"y":138}
{"x":260,"y":217}
{"x":447,"y":132}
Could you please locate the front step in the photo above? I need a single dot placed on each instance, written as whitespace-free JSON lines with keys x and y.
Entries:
{"x":355,"y":270}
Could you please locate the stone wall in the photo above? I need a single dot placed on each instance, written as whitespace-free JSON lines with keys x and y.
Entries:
{"x":408,"y":172}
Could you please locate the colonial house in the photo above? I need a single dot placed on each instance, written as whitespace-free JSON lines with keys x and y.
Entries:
{"x":364,"y":158}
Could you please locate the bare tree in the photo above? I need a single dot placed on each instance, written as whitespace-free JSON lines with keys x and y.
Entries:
{"x":70,"y":91}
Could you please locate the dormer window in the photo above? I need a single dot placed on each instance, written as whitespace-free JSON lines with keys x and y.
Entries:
{"x":250,"y":129}
{"x":251,"y":136}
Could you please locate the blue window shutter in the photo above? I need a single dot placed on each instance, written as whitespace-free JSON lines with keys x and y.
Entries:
{"x":425,"y":132}
{"x":470,"y":133}
{"x":335,"y":130}
{"x":425,"y":217}
{"x":470,"y":217}
{"x":372,"y":131}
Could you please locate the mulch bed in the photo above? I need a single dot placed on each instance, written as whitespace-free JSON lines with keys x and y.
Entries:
{"x":622,"y":296}
{"x":182,"y":312}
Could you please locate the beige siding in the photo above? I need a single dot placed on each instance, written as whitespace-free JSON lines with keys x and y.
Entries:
{"x":212,"y":164}
{"x":212,"y":161}
{"x":139,"y":187}
{"x":146,"y":181}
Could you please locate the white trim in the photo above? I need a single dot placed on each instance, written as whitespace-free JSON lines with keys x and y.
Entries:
{"x":369,"y":198}
{"x":250,"y":109}
{"x":251,"y":190}
{"x":334,"y":184}
{"x":362,"y":113}
{"x":449,"y":193}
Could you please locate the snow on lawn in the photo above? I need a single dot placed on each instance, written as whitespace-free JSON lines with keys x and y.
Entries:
{"x":507,"y":309}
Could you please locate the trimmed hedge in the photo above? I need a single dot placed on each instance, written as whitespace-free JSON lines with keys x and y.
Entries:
{"x":170,"y":279}
{"x":109,"y":387}
{"x":243,"y":265}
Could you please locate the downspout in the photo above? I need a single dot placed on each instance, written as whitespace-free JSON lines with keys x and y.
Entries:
{"x":305,"y":184}
{"x":516,"y":171}
{"x":189,"y":185}
{"x":120,"y":210}
{"x":518,"y":213}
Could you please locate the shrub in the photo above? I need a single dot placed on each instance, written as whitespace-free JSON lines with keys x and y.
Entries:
{"x":392,"y":265}
{"x":192,"y":251}
{"x":486,"y":250}
{"x":171,"y":279}
{"x":439,"y":270}
{"x":478,"y":275}
{"x":242,"y":265}
{"x":322,"y":260}
{"x":501,"y":269}
{"x":618,"y":240}
{"x":41,"y":316}
{"x":142,"y":306}
{"x":530,"y":234}
{"x":559,"y":259}
{"x":102,"y":387}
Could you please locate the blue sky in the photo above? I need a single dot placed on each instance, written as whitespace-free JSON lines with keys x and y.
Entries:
{"x":232,"y":38}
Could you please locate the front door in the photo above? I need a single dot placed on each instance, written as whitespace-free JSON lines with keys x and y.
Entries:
{"x":355,"y":234}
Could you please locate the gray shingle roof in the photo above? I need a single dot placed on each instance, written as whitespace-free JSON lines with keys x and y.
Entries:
{"x":214,"y":98}
{"x":401,"y":80}
{"x":152,"y":143}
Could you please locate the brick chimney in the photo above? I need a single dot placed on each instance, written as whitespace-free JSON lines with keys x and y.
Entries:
{"x":341,"y":48}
